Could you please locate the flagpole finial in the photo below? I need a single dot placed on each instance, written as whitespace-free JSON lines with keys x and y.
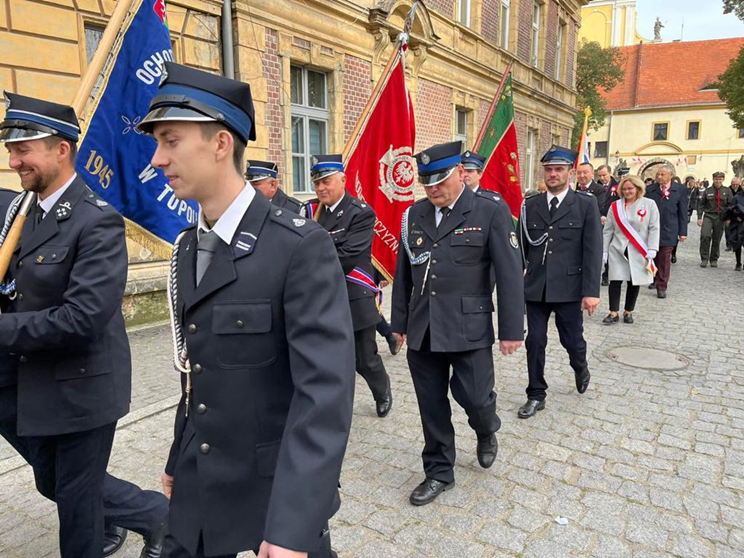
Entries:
{"x":408,"y":25}
{"x":588,"y":112}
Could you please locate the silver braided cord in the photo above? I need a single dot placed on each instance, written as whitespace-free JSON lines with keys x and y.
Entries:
{"x":180,"y":357}
{"x":404,"y":239}
{"x":9,"y":290}
{"x":526,"y":235}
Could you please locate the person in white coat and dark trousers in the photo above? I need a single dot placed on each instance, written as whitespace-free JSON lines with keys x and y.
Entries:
{"x":631,"y":241}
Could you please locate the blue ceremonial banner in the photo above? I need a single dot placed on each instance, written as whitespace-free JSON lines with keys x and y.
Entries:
{"x":114,"y":157}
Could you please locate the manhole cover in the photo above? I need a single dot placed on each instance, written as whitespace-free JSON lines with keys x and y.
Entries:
{"x":648,"y":359}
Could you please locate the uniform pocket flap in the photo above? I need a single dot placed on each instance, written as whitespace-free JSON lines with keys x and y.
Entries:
{"x":569,"y":224}
{"x":473,"y":238}
{"x":575,"y":270}
{"x":47,"y":255}
{"x":84,"y":366}
{"x":267,"y":454}
{"x":476,"y":304}
{"x":536,"y":225}
{"x":252,"y":316}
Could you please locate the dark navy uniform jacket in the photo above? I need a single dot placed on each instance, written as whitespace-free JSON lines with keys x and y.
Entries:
{"x":567,"y":266}
{"x":673,"y":212}
{"x":598,"y":191}
{"x":65,"y":327}
{"x":351,"y":227}
{"x":456,"y":304}
{"x":283,"y":201}
{"x":271,"y":348}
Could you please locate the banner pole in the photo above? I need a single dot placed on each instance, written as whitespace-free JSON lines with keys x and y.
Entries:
{"x":94,"y":69}
{"x":492,"y":108}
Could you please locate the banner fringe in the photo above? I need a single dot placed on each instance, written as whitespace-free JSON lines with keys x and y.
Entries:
{"x":145,"y":238}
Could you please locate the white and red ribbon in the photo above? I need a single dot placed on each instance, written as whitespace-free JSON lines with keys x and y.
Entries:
{"x":618,"y":210}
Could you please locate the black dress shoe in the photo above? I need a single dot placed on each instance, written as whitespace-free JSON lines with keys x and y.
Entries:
{"x":737,"y":267}
{"x":652,"y":286}
{"x":674,"y":259}
{"x":605,"y":281}
{"x":488,"y":447}
{"x":385,"y":404}
{"x":610,"y":319}
{"x":530,"y":408}
{"x":582,"y":379}
{"x":154,"y":543}
{"x":427,"y":491}
{"x":628,"y":318}
{"x":661,"y":294}
{"x":704,"y":263}
{"x":113,"y":539}
{"x":393,"y":344}
{"x":713,"y":263}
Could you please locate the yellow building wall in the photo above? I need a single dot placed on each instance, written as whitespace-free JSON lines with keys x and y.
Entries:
{"x":631,"y":134}
{"x":596,"y":25}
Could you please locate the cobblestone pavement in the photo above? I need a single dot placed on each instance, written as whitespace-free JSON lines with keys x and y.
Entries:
{"x":646,"y":464}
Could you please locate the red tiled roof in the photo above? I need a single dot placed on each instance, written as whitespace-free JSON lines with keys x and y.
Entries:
{"x":672,"y":74}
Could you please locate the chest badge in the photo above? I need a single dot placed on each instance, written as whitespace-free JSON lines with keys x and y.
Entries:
{"x":513,"y":241}
{"x":338,"y":215}
{"x":298,"y":222}
{"x":419,"y":241}
{"x":40,"y":259}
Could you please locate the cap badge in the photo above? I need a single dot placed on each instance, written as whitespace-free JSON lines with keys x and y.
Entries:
{"x":248,"y":165}
{"x":7,"y":102}
{"x":163,"y":76}
{"x":314,"y":160}
{"x":467,"y":154}
{"x":425,"y":159}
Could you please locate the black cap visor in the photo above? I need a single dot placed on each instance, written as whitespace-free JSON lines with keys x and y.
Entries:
{"x":437,"y":177}
{"x":175,"y":114}
{"x":21,"y":130}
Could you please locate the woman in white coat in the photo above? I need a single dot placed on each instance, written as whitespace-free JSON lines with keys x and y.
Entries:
{"x":631,"y":240}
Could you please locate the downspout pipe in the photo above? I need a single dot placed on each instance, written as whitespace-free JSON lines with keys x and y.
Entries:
{"x":228,"y":62}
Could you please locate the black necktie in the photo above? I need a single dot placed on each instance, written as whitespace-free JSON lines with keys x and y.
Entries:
{"x":553,"y":206}
{"x":205,"y":250}
{"x":38,"y":215}
{"x":445,"y":211}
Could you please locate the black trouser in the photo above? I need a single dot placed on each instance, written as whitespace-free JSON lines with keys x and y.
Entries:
{"x":727,"y":233}
{"x":74,"y":465}
{"x":369,"y":364}
{"x":124,"y":504}
{"x":570,"y":324}
{"x":472,"y":387}
{"x":383,"y":327}
{"x":171,"y":549}
{"x":737,"y":252}
{"x":631,"y":296}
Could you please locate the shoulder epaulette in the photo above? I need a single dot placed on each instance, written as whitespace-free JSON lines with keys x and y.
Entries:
{"x":96,"y":201}
{"x":488,"y":195}
{"x":359,"y":203}
{"x":292,"y":221}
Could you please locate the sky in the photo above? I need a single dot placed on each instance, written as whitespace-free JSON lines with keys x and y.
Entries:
{"x":702,"y":19}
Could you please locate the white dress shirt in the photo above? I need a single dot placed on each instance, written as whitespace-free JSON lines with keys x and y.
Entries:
{"x":438,"y":214}
{"x":48,"y":203}
{"x":228,"y":223}
{"x":560,"y":197}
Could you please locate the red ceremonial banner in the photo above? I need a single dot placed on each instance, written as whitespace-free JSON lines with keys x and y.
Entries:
{"x":380,"y":165}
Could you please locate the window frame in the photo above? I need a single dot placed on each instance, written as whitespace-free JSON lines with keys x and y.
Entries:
{"x":536,"y":22}
{"x":308,"y":113}
{"x":530,"y":151}
{"x":560,"y":40}
{"x":468,"y":4}
{"x":504,"y":23}
{"x":699,"y":130}
{"x":597,"y":154}
{"x":458,"y":135}
{"x":740,"y":135}
{"x":653,"y":130}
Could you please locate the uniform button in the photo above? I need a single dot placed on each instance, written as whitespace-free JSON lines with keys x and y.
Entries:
{"x":197,"y":368}
{"x":240,"y":324}
{"x":433,"y":277}
{"x":550,"y":251}
{"x":82,"y":370}
{"x":23,"y":359}
{"x":435,"y":245}
{"x":192,"y":328}
{"x":204,"y":448}
{"x":433,"y":293}
{"x":551,"y":227}
{"x":433,"y":262}
{"x":54,"y":256}
{"x":551,"y":240}
{"x":20,"y":296}
{"x":20,"y":264}
{"x":201,"y":409}
{"x":467,"y":241}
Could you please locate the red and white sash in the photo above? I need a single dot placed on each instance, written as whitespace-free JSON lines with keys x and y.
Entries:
{"x":618,"y":210}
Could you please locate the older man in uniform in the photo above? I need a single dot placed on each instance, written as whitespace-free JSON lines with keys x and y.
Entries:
{"x":714,"y":201}
{"x":350,"y":224}
{"x":473,"y":165}
{"x":65,"y":331}
{"x":266,"y":348}
{"x":262,"y":176}
{"x":562,"y":244}
{"x":451,"y":243}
